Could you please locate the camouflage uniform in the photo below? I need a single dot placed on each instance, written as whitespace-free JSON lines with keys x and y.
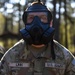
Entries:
{"x":24,"y":60}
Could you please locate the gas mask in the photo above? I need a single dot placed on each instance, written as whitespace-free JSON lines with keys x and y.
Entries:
{"x":37,"y":32}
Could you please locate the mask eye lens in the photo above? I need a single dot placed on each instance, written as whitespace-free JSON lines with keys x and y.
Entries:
{"x":42,"y":16}
{"x":30,"y":18}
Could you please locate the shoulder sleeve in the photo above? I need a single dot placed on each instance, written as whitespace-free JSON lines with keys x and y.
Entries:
{"x":68,"y":58}
{"x":9,"y":56}
{"x":70,"y":68}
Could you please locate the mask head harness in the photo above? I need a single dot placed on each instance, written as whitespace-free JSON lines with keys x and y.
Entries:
{"x":37,"y":32}
{"x":37,"y":7}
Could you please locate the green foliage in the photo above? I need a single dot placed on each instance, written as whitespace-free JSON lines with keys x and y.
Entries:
{"x":2,"y":23}
{"x":70,"y":35}
{"x":9,"y":24}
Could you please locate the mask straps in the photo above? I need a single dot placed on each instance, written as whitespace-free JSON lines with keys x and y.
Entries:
{"x":52,"y":50}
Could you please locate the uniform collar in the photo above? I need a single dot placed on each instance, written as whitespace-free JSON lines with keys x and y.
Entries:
{"x":43,"y":52}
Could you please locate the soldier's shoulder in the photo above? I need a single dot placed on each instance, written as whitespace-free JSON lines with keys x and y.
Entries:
{"x":19,"y":44}
{"x":59,"y":46}
{"x":16,"y":48}
{"x":62,"y":49}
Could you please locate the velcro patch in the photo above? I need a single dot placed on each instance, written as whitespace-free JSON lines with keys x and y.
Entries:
{"x":54,"y":65}
{"x":19,"y":64}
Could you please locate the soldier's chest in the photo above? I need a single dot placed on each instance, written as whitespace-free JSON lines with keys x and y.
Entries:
{"x":40,"y":66}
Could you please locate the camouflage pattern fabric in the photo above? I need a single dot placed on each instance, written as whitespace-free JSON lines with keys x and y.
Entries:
{"x":20,"y":60}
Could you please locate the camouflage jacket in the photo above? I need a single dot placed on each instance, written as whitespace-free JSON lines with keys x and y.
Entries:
{"x":20,"y":60}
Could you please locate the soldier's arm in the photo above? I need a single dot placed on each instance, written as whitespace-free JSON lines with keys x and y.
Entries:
{"x":4,"y":63}
{"x":70,"y":68}
{"x":8,"y":57}
{"x":69,"y":59}
{"x":3,"y":67}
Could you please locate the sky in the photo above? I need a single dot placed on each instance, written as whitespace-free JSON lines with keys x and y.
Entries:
{"x":48,"y":4}
{"x":22,"y":2}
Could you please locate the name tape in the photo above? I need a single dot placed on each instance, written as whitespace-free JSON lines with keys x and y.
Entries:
{"x":54,"y":65}
{"x":19,"y":64}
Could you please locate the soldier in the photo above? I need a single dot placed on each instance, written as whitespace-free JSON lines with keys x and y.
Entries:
{"x":37,"y":53}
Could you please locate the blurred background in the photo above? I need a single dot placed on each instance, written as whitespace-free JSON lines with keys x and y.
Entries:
{"x":63,"y":20}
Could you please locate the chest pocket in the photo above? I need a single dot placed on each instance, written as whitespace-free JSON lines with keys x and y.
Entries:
{"x":53,"y":68}
{"x":18,"y":68}
{"x":37,"y":67}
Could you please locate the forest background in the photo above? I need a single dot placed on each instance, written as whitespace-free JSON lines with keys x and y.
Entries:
{"x":63,"y":21}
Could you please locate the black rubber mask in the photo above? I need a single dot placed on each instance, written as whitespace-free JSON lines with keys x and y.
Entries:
{"x":37,"y":32}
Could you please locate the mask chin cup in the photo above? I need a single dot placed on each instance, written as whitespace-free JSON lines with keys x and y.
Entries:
{"x":48,"y":35}
{"x":45,"y":39}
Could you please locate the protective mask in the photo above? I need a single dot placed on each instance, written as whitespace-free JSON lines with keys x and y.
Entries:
{"x":37,"y":32}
